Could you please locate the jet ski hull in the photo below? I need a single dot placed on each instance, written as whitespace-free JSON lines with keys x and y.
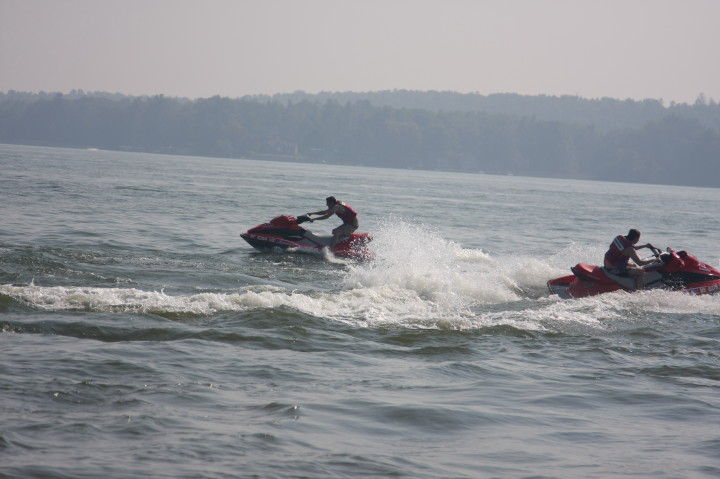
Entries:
{"x":284,"y":233}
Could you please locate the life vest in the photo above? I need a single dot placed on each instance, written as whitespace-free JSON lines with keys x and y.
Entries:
{"x":348,"y":215}
{"x":614,"y":255}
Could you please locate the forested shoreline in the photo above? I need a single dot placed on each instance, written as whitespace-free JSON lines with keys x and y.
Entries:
{"x":565,"y":137}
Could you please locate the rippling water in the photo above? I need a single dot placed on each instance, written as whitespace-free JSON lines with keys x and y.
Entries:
{"x":140,"y":337}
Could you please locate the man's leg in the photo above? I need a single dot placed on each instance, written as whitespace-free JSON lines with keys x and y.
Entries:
{"x":338,"y":233}
{"x":639,"y":275}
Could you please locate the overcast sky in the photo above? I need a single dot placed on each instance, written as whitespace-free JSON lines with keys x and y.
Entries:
{"x":660,"y":49}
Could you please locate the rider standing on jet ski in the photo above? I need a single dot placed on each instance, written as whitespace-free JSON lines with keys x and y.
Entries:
{"x":346,"y":213}
{"x":621,"y":250}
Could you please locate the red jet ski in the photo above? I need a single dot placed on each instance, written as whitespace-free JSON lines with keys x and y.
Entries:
{"x":284,"y":232}
{"x":678,"y":271}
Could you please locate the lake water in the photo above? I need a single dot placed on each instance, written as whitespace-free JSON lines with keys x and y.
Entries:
{"x":141,"y":337}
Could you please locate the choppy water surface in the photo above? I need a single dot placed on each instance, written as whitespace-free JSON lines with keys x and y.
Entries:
{"x":140,"y":337}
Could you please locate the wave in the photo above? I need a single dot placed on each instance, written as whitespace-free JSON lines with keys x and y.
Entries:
{"x":458,"y":301}
{"x":418,"y":279}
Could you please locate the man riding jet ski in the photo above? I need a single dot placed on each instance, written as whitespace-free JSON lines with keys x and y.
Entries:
{"x":285,"y":232}
{"x":345,"y":212}
{"x":621,"y":251}
{"x":679,"y":271}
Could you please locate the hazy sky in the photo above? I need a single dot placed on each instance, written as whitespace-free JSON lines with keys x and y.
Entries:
{"x":661,"y":49}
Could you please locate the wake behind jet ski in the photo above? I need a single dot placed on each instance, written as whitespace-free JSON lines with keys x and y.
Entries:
{"x":678,"y":271}
{"x":285,"y":233}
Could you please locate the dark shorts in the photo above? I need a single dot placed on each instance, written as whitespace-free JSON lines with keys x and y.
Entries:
{"x":619,"y":271}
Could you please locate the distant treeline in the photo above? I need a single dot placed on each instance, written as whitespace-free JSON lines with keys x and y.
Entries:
{"x":567,"y":137}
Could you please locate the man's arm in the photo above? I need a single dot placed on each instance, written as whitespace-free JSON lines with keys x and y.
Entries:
{"x":325,"y":214}
{"x":634,"y":256}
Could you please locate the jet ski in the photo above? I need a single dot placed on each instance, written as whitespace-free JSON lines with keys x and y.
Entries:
{"x":677,"y":271}
{"x":285,"y":233}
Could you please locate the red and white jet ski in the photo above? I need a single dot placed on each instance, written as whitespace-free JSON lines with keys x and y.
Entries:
{"x":284,"y":232}
{"x":679,"y":271}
